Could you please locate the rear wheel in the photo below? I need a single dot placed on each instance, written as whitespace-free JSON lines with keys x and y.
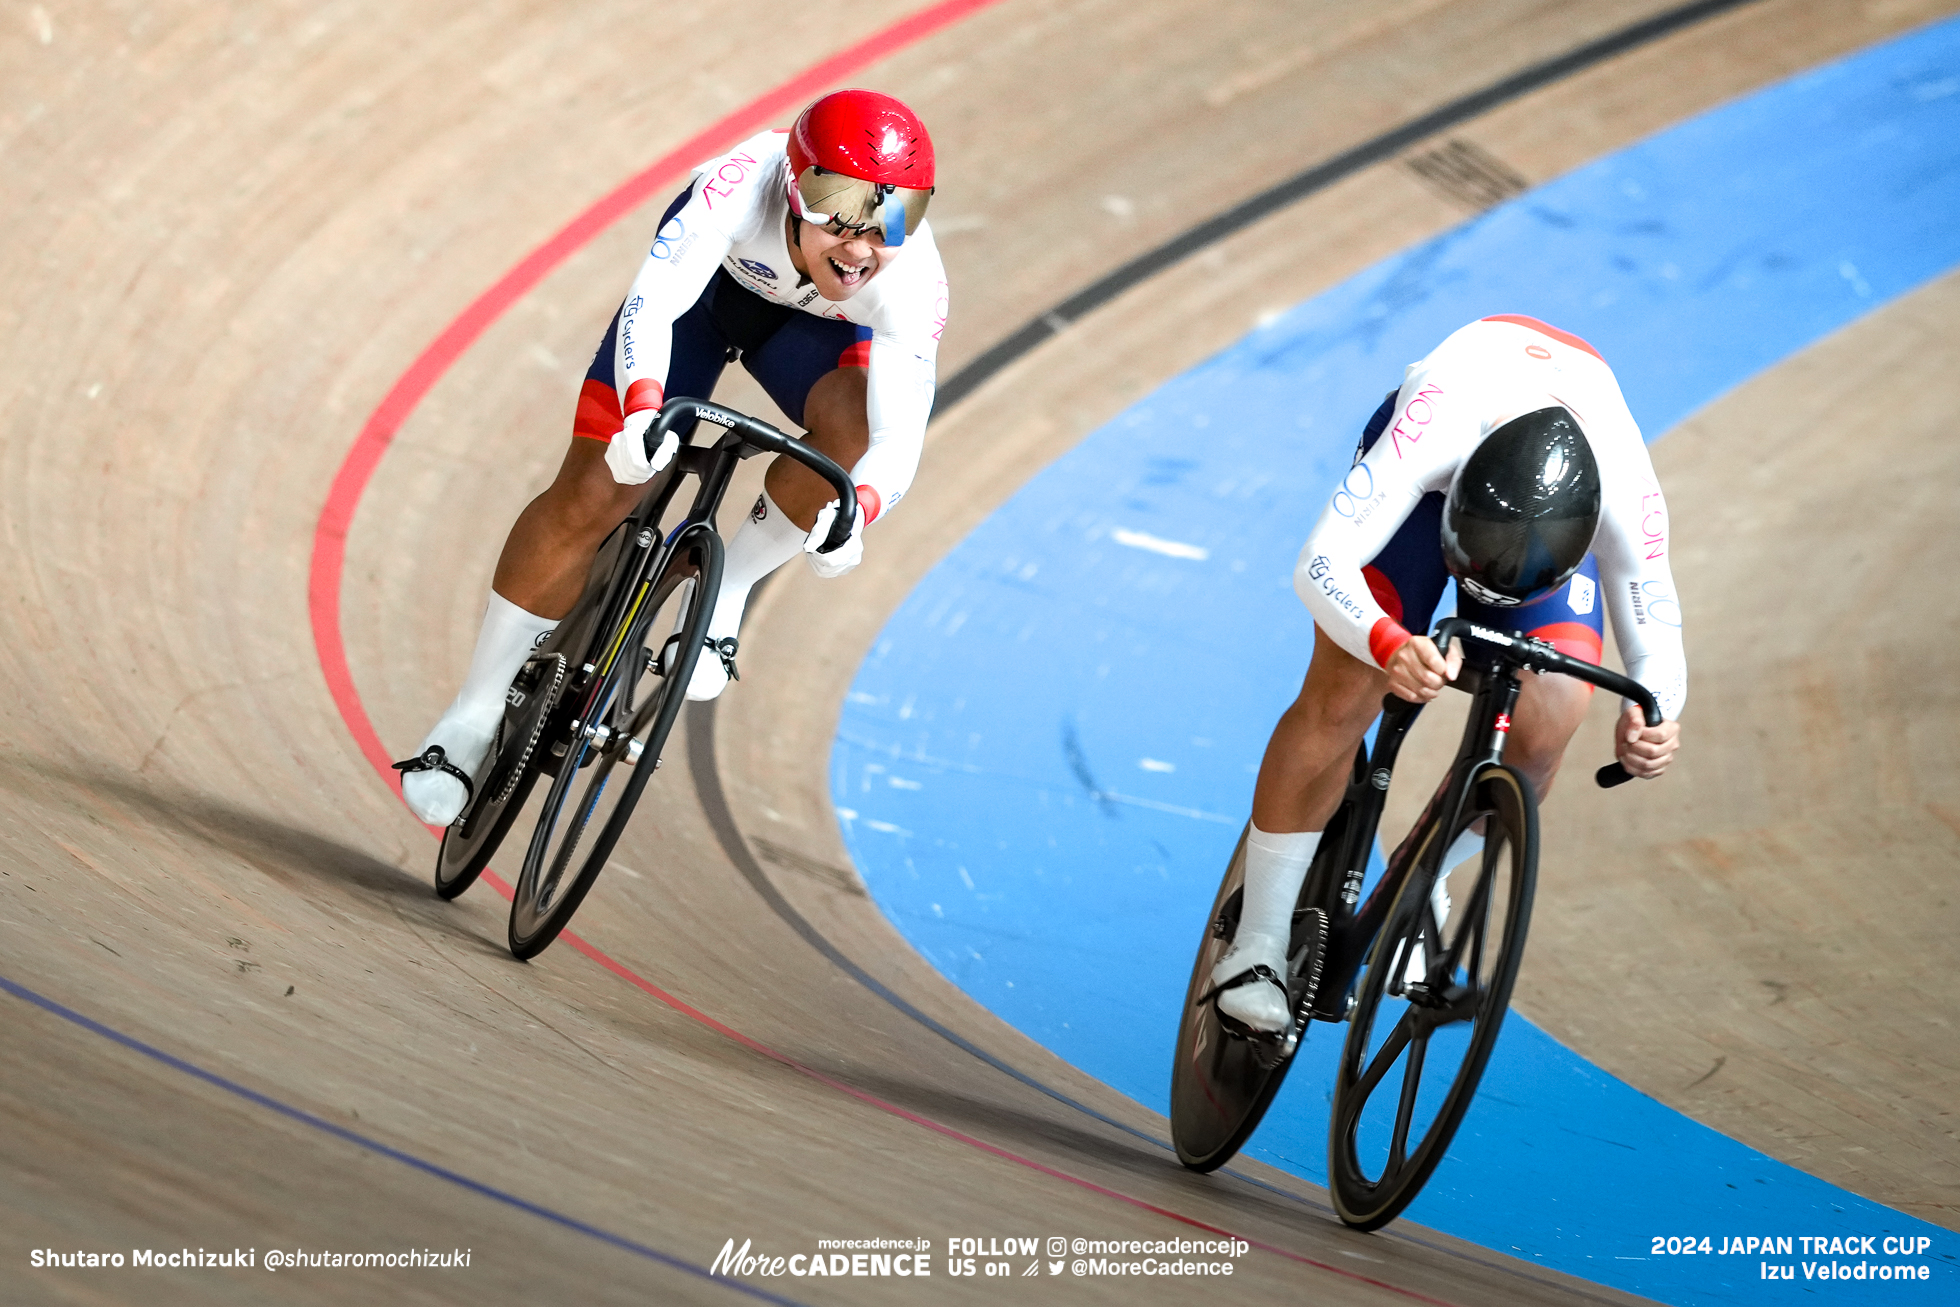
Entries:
{"x":1221,"y":1082}
{"x":1429,"y":1007}
{"x":611,"y":753}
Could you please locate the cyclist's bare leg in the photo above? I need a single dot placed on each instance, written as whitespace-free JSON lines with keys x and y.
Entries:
{"x":538,"y":579}
{"x":550,"y":546}
{"x":1301,"y":780}
{"x":1549,"y":711}
{"x":839,"y":424}
{"x":1308,"y":759}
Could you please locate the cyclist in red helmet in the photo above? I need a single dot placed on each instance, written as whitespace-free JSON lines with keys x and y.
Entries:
{"x":806,"y":255}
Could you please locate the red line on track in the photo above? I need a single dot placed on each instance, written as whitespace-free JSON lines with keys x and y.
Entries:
{"x":357,"y":469}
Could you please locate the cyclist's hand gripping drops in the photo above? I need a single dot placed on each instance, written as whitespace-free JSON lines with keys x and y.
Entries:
{"x":1644,"y":750}
{"x":841,"y":559}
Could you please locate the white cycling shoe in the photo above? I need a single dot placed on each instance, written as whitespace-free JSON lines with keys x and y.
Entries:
{"x":711,"y":671}
{"x":433,"y":793}
{"x":1258,"y":1000}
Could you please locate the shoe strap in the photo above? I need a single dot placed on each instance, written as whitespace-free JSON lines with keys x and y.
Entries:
{"x":1251,"y":975}
{"x":434,"y":759}
{"x":725,"y":648}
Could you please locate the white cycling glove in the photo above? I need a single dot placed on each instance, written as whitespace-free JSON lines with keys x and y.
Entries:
{"x":841,"y":559}
{"x":627,"y":454}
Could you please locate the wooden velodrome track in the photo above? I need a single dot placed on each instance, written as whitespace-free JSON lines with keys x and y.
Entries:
{"x":230,"y":229}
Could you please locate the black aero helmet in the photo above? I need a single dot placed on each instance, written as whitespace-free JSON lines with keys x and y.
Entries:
{"x":1522,"y":509}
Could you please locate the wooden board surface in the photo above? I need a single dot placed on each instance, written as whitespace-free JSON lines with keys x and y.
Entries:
{"x":232,"y":227}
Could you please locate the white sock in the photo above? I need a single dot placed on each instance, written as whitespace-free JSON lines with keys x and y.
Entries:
{"x":760,"y":545}
{"x":1464,"y":847}
{"x":1275,"y":867}
{"x":467,"y":727}
{"x":507,"y":637}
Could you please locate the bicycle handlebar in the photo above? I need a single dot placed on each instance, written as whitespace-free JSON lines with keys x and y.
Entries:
{"x":759,"y":435}
{"x":1539,"y":656}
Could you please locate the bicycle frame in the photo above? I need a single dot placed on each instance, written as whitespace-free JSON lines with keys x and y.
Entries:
{"x":621,"y":585}
{"x":1491,"y":664}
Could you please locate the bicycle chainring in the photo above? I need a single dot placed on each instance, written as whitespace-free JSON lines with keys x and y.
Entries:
{"x":1308,"y":963}
{"x":551,"y":681}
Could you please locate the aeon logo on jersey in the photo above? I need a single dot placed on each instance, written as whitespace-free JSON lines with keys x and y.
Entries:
{"x":734,"y":170}
{"x":1418,"y":415}
{"x":1653,"y":525}
{"x":940,"y":308}
{"x":758,"y":269}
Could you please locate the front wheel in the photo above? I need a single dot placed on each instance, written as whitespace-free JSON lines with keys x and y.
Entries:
{"x":611,"y":752}
{"x":1430,"y":1005}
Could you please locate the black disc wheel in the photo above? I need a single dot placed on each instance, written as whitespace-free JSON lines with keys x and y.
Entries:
{"x":1221,"y":1082}
{"x":1429,"y":1006}
{"x":472,"y":839}
{"x":605,"y":756}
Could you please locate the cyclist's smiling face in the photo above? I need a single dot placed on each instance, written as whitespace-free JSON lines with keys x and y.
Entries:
{"x":841,"y":266}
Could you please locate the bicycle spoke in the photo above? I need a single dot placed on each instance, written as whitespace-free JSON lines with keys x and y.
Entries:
{"x":1391,"y":1048}
{"x":1405,"y":1109}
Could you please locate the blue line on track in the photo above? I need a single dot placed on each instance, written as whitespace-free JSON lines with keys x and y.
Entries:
{"x":1046,"y":756}
{"x":376,"y":1146}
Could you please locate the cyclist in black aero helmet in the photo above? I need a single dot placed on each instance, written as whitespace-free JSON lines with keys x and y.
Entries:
{"x":1507,"y":460}
{"x":1522,"y":509}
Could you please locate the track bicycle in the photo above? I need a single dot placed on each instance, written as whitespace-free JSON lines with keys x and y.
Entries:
{"x":591,"y":710}
{"x":1423,"y":983}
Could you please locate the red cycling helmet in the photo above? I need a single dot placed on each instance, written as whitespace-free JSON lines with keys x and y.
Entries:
{"x":861,"y":163}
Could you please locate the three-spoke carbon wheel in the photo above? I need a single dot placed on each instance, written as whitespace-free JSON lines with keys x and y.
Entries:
{"x":604,"y":759}
{"x":1430,"y":1005}
{"x":472,"y":839}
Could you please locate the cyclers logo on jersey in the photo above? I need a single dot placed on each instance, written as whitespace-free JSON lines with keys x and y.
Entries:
{"x":1319,"y":571}
{"x":761,"y":270}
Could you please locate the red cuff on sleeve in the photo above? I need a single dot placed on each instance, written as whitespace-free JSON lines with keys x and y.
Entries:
{"x":598,"y":416}
{"x":869,"y":505}
{"x":646,"y":393}
{"x":1385,"y":639}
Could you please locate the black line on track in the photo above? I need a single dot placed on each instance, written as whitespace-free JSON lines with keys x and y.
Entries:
{"x":701,"y":717}
{"x":1317,"y":178}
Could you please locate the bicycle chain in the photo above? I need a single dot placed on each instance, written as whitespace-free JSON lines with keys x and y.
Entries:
{"x":1317,"y":957}
{"x":550,"y":697}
